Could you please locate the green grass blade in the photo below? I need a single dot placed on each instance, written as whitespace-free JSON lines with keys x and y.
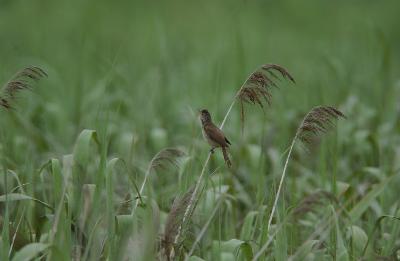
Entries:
{"x":19,"y":197}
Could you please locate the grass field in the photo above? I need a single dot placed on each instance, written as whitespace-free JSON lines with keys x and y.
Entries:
{"x":104,"y":158}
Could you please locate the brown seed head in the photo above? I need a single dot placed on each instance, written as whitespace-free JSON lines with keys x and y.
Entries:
{"x":257,"y":88}
{"x":21,"y":81}
{"x":318,"y":121}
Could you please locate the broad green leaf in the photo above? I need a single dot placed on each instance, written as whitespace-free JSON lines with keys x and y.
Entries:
{"x":358,"y":239}
{"x":211,"y":197}
{"x":364,"y":203}
{"x":124,"y":230}
{"x":123,"y":223}
{"x":82,"y":146}
{"x":59,"y":235}
{"x":238,"y":247}
{"x":304,"y":251}
{"x":30,"y":251}
{"x":57,"y":179}
{"x":110,"y":208}
{"x":248,"y":224}
{"x":227,"y":256}
{"x":81,"y":156}
{"x":231,"y":245}
{"x":247,"y":251}
{"x":341,"y":251}
{"x":195,"y":258}
{"x":341,"y":188}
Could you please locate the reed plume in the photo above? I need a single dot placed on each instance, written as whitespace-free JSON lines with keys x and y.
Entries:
{"x":256,"y":89}
{"x":317,"y":121}
{"x":22,"y":80}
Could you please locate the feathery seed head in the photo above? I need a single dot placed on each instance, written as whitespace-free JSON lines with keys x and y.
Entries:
{"x":21,"y":81}
{"x":317,"y":121}
{"x":257,"y":88}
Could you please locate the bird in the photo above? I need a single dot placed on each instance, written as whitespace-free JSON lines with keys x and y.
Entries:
{"x":214,"y":135}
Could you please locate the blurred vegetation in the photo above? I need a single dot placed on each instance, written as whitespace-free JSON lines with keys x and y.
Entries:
{"x":136,"y":72}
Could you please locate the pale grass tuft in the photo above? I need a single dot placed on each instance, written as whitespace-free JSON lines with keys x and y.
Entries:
{"x":165,"y":157}
{"x":174,"y":224}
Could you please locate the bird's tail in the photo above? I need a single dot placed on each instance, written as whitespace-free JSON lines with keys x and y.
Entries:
{"x":226,"y":157}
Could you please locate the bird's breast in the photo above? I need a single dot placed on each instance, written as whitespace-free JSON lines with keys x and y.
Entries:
{"x":209,"y":140}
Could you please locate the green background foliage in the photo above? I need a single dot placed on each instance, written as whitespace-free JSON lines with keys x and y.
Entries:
{"x":136,"y":72}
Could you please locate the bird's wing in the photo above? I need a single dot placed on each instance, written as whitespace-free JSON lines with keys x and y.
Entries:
{"x":216,"y":135}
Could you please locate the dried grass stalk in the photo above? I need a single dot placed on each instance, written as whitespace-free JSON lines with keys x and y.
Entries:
{"x":21,"y":81}
{"x":174,"y":223}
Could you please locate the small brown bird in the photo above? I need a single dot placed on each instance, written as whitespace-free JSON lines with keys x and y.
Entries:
{"x":214,"y":136}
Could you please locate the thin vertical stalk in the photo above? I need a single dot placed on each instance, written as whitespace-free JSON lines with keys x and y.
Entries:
{"x":280,"y":183}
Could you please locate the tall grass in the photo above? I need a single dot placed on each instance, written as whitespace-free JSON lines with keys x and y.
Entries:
{"x":81,"y":149}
